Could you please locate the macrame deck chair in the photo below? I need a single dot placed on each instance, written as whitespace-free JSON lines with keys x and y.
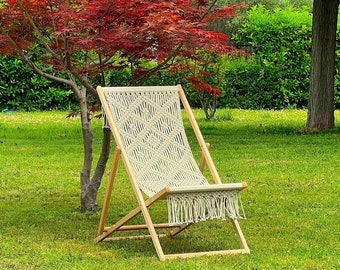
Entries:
{"x":147,"y":126}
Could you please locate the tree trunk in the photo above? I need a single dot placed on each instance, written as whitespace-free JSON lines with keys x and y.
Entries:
{"x":90,"y":191}
{"x":89,"y":187}
{"x":85,"y":173}
{"x":321,"y":92}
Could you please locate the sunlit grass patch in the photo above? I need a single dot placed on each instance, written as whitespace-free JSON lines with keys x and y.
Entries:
{"x":292,"y":200}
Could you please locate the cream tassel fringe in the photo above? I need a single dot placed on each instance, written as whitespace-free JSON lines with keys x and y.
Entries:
{"x":184,"y":208}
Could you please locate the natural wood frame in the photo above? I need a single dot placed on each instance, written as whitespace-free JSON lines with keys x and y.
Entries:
{"x":105,"y":232}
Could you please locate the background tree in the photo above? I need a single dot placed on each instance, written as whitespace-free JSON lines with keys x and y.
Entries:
{"x":80,"y":40}
{"x":321,"y":92}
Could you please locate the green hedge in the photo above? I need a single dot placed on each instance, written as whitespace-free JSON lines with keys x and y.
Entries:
{"x":276,"y":75}
{"x":22,"y":89}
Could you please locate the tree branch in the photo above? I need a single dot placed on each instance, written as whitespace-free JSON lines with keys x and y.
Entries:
{"x":160,"y":66}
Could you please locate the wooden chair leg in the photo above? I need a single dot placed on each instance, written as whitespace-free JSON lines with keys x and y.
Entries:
{"x":119,"y":223}
{"x":240,"y":236}
{"x":109,"y":191}
{"x":153,"y":233}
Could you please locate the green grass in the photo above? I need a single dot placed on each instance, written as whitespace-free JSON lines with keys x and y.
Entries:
{"x":292,"y":200}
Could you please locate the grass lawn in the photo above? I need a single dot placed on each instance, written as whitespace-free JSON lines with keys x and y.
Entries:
{"x":292,"y":201}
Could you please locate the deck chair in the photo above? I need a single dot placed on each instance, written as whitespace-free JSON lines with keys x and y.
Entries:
{"x":147,"y":126}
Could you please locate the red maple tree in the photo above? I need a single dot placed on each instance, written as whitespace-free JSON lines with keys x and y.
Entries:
{"x":79,"y":39}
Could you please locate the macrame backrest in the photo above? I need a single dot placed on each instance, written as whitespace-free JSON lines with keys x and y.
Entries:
{"x":150,"y":126}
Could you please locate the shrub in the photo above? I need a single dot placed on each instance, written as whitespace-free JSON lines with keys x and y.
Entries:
{"x":277,"y":75}
{"x":21,"y":88}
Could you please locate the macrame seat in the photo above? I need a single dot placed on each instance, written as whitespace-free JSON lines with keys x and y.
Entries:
{"x":147,"y":126}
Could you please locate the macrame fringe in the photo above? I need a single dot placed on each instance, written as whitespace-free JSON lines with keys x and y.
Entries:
{"x":184,"y":208}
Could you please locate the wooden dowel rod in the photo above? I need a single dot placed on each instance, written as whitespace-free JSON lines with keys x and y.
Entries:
{"x":143,"y":227}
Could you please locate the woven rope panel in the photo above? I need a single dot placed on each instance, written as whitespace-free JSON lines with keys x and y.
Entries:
{"x":151,"y":129}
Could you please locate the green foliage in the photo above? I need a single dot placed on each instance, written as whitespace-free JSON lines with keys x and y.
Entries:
{"x":271,"y":4}
{"x":291,"y":203}
{"x":120,"y":77}
{"x":21,"y":88}
{"x":277,"y":74}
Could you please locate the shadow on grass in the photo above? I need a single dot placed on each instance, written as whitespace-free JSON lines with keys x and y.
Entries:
{"x":201,"y":237}
{"x":261,"y":129}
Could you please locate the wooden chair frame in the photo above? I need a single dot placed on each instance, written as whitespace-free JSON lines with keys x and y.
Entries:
{"x":104,"y":233}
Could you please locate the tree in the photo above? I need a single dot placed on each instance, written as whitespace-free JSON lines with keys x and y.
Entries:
{"x":82,"y":39}
{"x":321,"y":92}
